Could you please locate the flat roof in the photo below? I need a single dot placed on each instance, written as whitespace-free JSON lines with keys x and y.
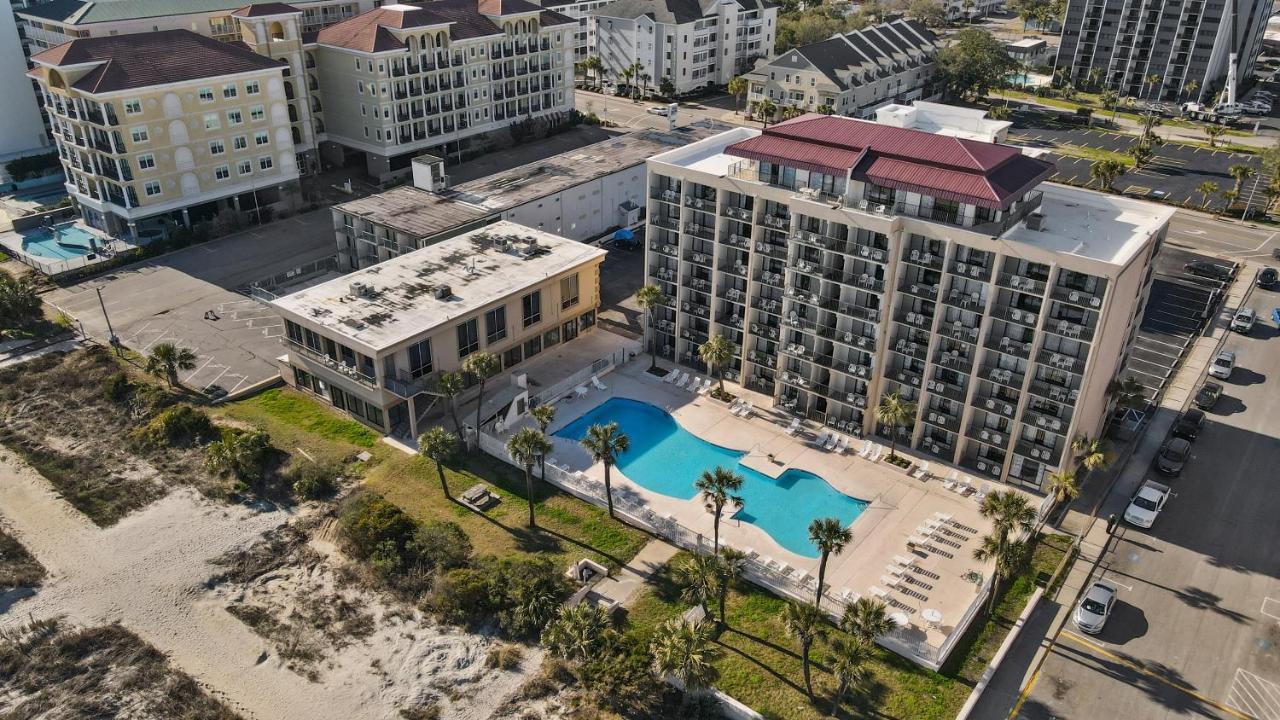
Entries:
{"x":1028,"y":43}
{"x":517,"y":186}
{"x":1092,"y":225}
{"x":412,"y":211}
{"x":401,"y":304}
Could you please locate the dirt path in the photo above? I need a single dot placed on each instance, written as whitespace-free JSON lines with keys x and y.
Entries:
{"x":147,"y":572}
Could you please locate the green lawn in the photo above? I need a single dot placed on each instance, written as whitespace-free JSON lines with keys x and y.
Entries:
{"x":1093,"y":154}
{"x":760,"y":664}
{"x":297,"y":421}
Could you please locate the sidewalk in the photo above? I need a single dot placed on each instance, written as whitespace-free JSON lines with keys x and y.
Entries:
{"x":624,"y":585}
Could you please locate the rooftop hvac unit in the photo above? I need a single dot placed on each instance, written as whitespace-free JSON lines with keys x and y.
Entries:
{"x":359,"y":289}
{"x":443,"y":292}
{"x":1035,"y":221}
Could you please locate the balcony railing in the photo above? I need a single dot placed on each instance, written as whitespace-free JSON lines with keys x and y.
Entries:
{"x":343,"y":369}
{"x":1021,"y":283}
{"x":1060,"y":361}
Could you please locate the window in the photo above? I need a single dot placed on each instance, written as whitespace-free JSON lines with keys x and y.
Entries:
{"x":234,"y":117}
{"x":146,"y":162}
{"x":468,"y":338}
{"x":533,"y":347}
{"x":495,"y":325}
{"x":420,"y":359}
{"x":569,"y":291}
{"x":216,"y":147}
{"x":261,"y":138}
{"x":132,"y":107}
{"x":551,"y":337}
{"x":222,"y":172}
{"x":245,"y":167}
{"x":512,"y":357}
{"x":139,"y":134}
{"x":206,"y":95}
{"x":251,"y":87}
{"x":360,"y":87}
{"x":265,"y":162}
{"x":152,"y":188}
{"x":211,"y":121}
{"x":256,"y":113}
{"x":228,"y":92}
{"x":239,"y":142}
{"x":531,"y":309}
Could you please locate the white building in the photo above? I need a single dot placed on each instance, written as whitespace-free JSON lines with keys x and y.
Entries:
{"x":847,"y":260}
{"x":22,"y":129}
{"x":694,"y":43}
{"x":942,"y":119}
{"x":579,"y":10}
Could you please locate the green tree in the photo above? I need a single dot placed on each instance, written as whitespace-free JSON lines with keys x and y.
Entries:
{"x":1095,"y":77}
{"x":1152,"y":81}
{"x":241,"y":454}
{"x":806,"y":624}
{"x":974,"y":63}
{"x":719,"y":488}
{"x":1207,"y":190}
{"x":166,"y":359}
{"x":1108,"y":99}
{"x":1092,"y":453}
{"x":667,"y":87}
{"x":483,"y":365}
{"x":698,"y":581}
{"x":849,"y":661}
{"x":593,"y":65}
{"x":685,"y":651}
{"x":765,"y":110}
{"x":448,"y":386}
{"x":1189,"y":89}
{"x":830,"y":536}
{"x":1239,"y":173}
{"x":716,"y":353}
{"x":20,"y":304}
{"x":738,"y":89}
{"x":866,"y":619}
{"x":579,"y":633}
{"x":543,"y":415}
{"x":1008,"y":557}
{"x":1105,"y":172}
{"x":929,"y":13}
{"x":1230,"y":197}
{"x":1063,"y":487}
{"x":895,"y":412}
{"x":606,"y":443}
{"x":649,"y":298}
{"x":1141,"y":155}
{"x":439,"y":445}
{"x":526,"y":446}
{"x":1213,"y":132}
{"x":1008,"y":510}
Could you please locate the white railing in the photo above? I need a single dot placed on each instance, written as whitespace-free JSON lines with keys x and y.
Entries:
{"x":598,"y":367}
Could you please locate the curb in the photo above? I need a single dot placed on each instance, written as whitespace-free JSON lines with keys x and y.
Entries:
{"x":994,"y":665}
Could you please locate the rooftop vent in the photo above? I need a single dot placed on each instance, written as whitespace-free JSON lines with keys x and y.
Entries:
{"x":360,"y":289}
{"x":1035,"y":221}
{"x":443,"y":292}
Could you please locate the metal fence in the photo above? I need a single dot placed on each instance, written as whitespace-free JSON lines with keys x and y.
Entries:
{"x":599,"y":366}
{"x":52,"y":267}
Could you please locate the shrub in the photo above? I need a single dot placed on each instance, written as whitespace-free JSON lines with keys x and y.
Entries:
{"x":460,"y":596}
{"x":370,"y":520}
{"x":504,"y":657}
{"x":176,"y":425}
{"x":530,"y":590}
{"x":440,"y":545}
{"x":311,"y":481}
{"x":240,"y":454}
{"x":116,"y":388}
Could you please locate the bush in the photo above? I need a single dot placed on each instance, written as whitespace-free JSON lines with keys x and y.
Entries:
{"x":369,"y":520}
{"x":116,"y":388}
{"x":440,"y":545}
{"x":504,"y":657}
{"x":176,"y":425}
{"x":460,"y":596}
{"x":311,"y":481}
{"x":240,"y":454}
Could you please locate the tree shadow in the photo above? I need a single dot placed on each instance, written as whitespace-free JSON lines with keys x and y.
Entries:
{"x":767,"y":643}
{"x":1162,"y":684}
{"x":1204,"y":600}
{"x":756,"y":661}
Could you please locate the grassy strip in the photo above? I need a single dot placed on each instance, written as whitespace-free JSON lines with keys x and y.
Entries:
{"x":295,"y":420}
{"x":17,"y":567}
{"x":1093,"y":154}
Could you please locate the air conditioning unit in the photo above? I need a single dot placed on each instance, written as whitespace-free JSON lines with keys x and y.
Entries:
{"x":360,"y":289}
{"x":1035,"y":221}
{"x":443,"y":292}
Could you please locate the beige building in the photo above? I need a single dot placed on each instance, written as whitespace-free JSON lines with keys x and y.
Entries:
{"x":167,"y":126}
{"x":375,"y":341}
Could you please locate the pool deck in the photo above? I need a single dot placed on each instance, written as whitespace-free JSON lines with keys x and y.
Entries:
{"x":898,"y":502}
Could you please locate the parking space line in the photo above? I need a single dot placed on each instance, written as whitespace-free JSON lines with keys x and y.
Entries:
{"x":1268,"y":613}
{"x":1255,"y":695}
{"x":1161,"y":342}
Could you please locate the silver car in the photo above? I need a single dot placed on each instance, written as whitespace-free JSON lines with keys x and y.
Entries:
{"x":1223,"y":364}
{"x":1095,"y":607}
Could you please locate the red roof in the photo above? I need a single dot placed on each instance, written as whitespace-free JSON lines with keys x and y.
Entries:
{"x":979,"y":173}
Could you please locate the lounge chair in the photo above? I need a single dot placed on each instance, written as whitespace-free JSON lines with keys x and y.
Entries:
{"x":917,"y":541}
{"x":875,"y":454}
{"x":842,"y":445}
{"x":684,"y":380}
{"x":581,"y":390}
{"x":904,"y":560}
{"x":889,"y":581}
{"x":598,"y":385}
{"x":865,"y":453}
{"x":879,"y":592}
{"x":695,"y":384}
{"x":670,"y":377}
{"x":735,"y":406}
{"x":830,"y":444}
{"x":849,"y":596}
{"x":747,"y":410}
{"x":921,"y":472}
{"x":794,"y":426}
{"x":895,"y":570}
{"x":944,"y":518}
{"x":706,"y":385}
{"x":983,"y":491}
{"x":821,"y":441}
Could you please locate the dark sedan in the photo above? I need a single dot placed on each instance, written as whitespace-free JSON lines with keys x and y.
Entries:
{"x":1173,"y":456}
{"x":1204,"y":268}
{"x":1208,"y":395}
{"x":1189,"y":425}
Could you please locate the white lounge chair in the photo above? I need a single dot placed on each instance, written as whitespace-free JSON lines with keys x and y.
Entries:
{"x":821,"y":441}
{"x":875,"y":454}
{"x":983,"y":491}
{"x":794,"y":426}
{"x":684,"y":380}
{"x":842,"y":445}
{"x":895,"y":570}
{"x":921,"y":472}
{"x":736,"y":406}
{"x":598,"y":385}
{"x":830,"y":444}
{"x":942,"y":517}
{"x":904,"y":560}
{"x":849,"y":596}
{"x":581,"y":390}
{"x":695,"y":384}
{"x":879,"y":592}
{"x":889,"y":581}
{"x":706,"y":385}
{"x":748,"y":410}
{"x":917,"y":541}
{"x":670,"y":377}
{"x":865,"y":453}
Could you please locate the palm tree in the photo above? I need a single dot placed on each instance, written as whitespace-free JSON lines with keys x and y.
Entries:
{"x":1152,"y":79}
{"x":738,"y":88}
{"x":449,"y":385}
{"x":593,"y":64}
{"x":1239,"y":173}
{"x":606,"y":443}
{"x":1093,"y":453}
{"x":166,"y":359}
{"x":716,"y":353}
{"x":1094,"y":77}
{"x":1189,"y":90}
{"x":849,"y":667}
{"x":791,"y":112}
{"x":1008,"y":510}
{"x":1213,"y":132}
{"x":718,"y":487}
{"x":698,"y":578}
{"x":578,"y":632}
{"x":1106,"y":172}
{"x":895,"y":412}
{"x":1207,"y":190}
{"x":1229,"y":197}
{"x":765,"y":110}
{"x":525,"y":447}
{"x":686,"y":652}
{"x":1141,"y":155}
{"x":242,"y":455}
{"x":830,"y":536}
{"x":1008,"y":557}
{"x":626,"y":74}
{"x":438,"y":444}
{"x":806,"y":624}
{"x":483,"y":365}
{"x":544,"y":415}
{"x":866,"y":619}
{"x":649,"y":297}
{"x":729,"y":569}
{"x":1063,"y":487}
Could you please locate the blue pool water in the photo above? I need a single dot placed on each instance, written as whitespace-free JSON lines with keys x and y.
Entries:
{"x":668,"y":459}
{"x":73,"y":242}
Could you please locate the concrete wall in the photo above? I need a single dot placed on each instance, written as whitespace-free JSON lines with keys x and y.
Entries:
{"x":22,"y":129}
{"x":585,"y":211}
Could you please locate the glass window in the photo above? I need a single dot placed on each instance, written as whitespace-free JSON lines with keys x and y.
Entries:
{"x":256,"y":112}
{"x":239,"y":142}
{"x":212,"y":121}
{"x":495,"y":325}
{"x":265,"y":162}
{"x":569,"y":330}
{"x":251,"y":87}
{"x":206,"y":94}
{"x":139,"y":134}
{"x":587,"y":319}
{"x":468,"y":338}
{"x":512,"y":357}
{"x":216,"y":147}
{"x":132,"y":107}
{"x":222,"y":172}
{"x":420,"y":358}
{"x":531,"y":308}
{"x":146,"y":162}
{"x":551,"y":337}
{"x":245,"y":167}
{"x":234,"y":117}
{"x":228,"y":91}
{"x":533,"y":346}
{"x":569,"y":291}
{"x":152,"y":188}
{"x":261,"y":138}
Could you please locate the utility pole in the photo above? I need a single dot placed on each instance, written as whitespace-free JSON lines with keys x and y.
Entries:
{"x":111,"y":333}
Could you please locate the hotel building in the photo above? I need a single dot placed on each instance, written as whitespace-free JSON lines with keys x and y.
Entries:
{"x":847,"y":260}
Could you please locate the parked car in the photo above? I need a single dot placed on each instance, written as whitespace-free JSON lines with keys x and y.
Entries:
{"x":1146,"y":504}
{"x":1268,"y":277}
{"x":1095,"y":607}
{"x":1189,"y":425}
{"x":1204,"y":268}
{"x":1173,"y":456}
{"x":1223,"y":364}
{"x":661,"y":110}
{"x":1208,"y":395}
{"x":1244,"y":320}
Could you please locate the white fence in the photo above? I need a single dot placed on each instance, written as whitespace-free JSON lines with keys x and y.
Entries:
{"x":600,"y":366}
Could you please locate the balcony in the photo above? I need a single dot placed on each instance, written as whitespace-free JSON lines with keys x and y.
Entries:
{"x":407,"y":387}
{"x":1009,"y":346}
{"x":1079,"y":298}
{"x":738,"y":213}
{"x":954,"y":360}
{"x":965,"y":301}
{"x":995,"y":404}
{"x":971,"y":271}
{"x":905,"y":376}
{"x":764,"y":331}
{"x":773,"y":307}
{"x":1036,"y":451}
{"x":1059,"y":361}
{"x":1055,"y":392}
{"x":1026,"y":318}
{"x":696,"y":283}
{"x":702,"y":231}
{"x":698,"y":258}
{"x":1075,"y":331}
{"x":772,"y":279}
{"x":346,"y":371}
{"x":700,"y":203}
{"x":950,"y":391}
{"x":773,"y":250}
{"x":670,"y":223}
{"x":942,"y":420}
{"x":919,"y":289}
{"x":1032,"y":415}
{"x":777,"y":222}
{"x":917,"y":350}
{"x":1021,"y":283}
{"x":667,"y":196}
{"x":989,"y":436}
{"x":958,"y":331}
{"x":663,"y":248}
{"x":915,"y":319}
{"x":933,"y":261}
{"x":1003,"y":376}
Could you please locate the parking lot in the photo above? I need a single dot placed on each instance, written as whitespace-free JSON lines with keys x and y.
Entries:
{"x":1196,"y":627}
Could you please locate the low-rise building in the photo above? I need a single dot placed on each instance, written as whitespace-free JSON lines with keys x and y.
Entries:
{"x":693,"y":43}
{"x":1030,"y":52}
{"x":167,"y":126}
{"x":374,"y":342}
{"x":851,"y":74}
{"x":942,"y":119}
{"x":847,"y":261}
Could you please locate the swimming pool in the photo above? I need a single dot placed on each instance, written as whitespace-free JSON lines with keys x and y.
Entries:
{"x":668,"y":459}
{"x":74,"y":241}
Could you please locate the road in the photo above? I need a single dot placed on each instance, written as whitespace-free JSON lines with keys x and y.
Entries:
{"x":1196,"y":630}
{"x":633,"y":115}
{"x":1228,"y":239}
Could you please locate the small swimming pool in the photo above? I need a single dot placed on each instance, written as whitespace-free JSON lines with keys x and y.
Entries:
{"x":73,"y":242}
{"x":668,"y":459}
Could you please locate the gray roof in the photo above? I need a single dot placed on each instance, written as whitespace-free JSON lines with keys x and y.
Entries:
{"x":84,"y":12}
{"x":870,"y":48}
{"x":412,"y":211}
{"x":671,"y":12}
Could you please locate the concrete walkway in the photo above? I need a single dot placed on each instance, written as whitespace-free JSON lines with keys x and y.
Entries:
{"x":624,"y":586}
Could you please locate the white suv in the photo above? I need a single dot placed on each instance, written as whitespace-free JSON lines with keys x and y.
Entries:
{"x":1244,"y":320}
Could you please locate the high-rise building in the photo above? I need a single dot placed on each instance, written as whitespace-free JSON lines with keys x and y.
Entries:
{"x":848,"y":260}
{"x":1172,"y":51}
